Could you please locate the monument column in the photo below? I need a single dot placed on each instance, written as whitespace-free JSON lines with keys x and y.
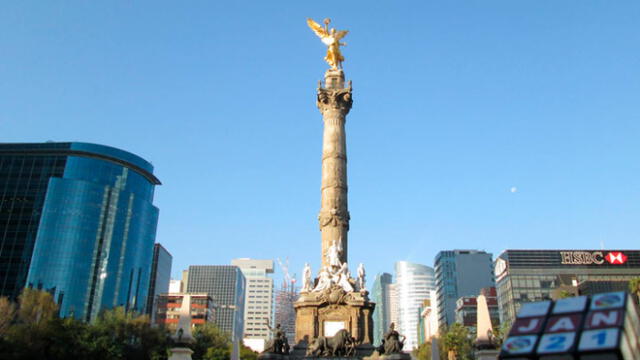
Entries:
{"x":334,"y":102}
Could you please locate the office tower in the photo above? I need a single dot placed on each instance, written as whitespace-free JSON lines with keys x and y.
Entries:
{"x":381,"y":316}
{"x":460,"y":273}
{"x":168,"y":308}
{"x":413,"y":284}
{"x":392,"y":300}
{"x":534,"y":275}
{"x":428,"y":322}
{"x":258,"y":309}
{"x":77,"y":220}
{"x":160,"y":276}
{"x":226,"y":285}
{"x":467,"y":309}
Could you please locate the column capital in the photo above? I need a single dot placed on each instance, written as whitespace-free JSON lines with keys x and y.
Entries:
{"x":335,"y":100}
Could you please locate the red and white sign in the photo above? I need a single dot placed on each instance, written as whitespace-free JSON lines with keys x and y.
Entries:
{"x":616,"y":258}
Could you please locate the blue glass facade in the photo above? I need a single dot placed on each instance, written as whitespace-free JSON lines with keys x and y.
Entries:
{"x":159,"y":278}
{"x":381,"y":315}
{"x":94,"y":239}
{"x":460,"y":273}
{"x":226,"y":285}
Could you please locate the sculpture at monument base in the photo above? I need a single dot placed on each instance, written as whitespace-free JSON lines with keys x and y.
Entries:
{"x":276,"y":346}
{"x":342,"y":344}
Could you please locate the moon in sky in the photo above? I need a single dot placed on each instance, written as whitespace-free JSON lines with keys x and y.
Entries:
{"x":513,"y":189}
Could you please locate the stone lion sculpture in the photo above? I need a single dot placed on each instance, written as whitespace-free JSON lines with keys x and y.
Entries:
{"x":341,"y":344}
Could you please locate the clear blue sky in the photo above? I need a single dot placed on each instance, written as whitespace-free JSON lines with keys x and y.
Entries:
{"x":455,"y":103}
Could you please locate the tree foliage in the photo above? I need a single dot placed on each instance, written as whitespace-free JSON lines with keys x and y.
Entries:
{"x":32,"y":329}
{"x":211,"y":343}
{"x":458,"y":340}
{"x":634,"y":288}
{"x":422,"y":352}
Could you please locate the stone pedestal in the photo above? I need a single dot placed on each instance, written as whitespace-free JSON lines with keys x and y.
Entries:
{"x":272,"y":356}
{"x":180,"y":353}
{"x":319,"y":312}
{"x":487,"y":354}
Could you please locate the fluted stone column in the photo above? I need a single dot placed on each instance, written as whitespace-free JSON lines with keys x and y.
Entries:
{"x":334,"y":102}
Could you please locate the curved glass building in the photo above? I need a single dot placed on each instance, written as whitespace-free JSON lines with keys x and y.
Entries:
{"x":80,"y":221}
{"x":414,"y":282}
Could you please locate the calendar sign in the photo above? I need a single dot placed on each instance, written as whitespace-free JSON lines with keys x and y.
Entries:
{"x":599,"y":339}
{"x":556,"y":343}
{"x":519,"y":344}
{"x":604,"y":326}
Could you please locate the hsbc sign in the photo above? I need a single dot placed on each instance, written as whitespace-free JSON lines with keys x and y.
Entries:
{"x":592,"y":257}
{"x":616,"y":257}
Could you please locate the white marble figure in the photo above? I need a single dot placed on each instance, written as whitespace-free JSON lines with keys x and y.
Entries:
{"x":306,"y":278}
{"x":324,"y":280}
{"x":333,"y":254}
{"x":361,"y":277}
{"x":343,"y":278}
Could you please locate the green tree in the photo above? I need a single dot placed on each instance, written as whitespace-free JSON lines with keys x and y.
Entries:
{"x":211,"y":343}
{"x":247,"y":354}
{"x":500,"y":333}
{"x":38,"y":333}
{"x":7,"y":314}
{"x":458,"y":340}
{"x":118,"y":334}
{"x":36,"y":307}
{"x":634,"y":288}
{"x":423,"y":351}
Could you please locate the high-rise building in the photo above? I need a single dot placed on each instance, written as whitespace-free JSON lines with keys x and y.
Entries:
{"x":392,"y":300}
{"x":467,"y":309}
{"x":460,"y":273}
{"x":535,"y":275}
{"x":413,"y":285}
{"x":226,"y":285}
{"x":258,"y":309}
{"x":169,"y":306}
{"x":428,"y":322}
{"x":77,"y":220}
{"x":381,"y":316}
{"x":160,"y":276}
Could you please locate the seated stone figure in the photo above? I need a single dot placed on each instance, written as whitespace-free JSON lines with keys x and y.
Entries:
{"x":392,"y":342}
{"x":279,"y":343}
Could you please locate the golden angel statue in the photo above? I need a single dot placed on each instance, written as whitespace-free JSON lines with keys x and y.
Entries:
{"x":332,"y":40}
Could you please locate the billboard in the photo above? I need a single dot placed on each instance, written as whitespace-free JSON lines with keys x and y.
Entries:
{"x":603,"y":326}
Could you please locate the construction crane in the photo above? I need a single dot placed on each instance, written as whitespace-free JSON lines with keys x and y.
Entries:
{"x":289,"y":281}
{"x":285,"y":314}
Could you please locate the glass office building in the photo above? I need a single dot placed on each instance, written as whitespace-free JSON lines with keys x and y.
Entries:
{"x":535,"y":275}
{"x":226,"y":285}
{"x":414,"y":282}
{"x":77,"y":220}
{"x":460,"y":273}
{"x":381,"y":316}
{"x":159,"y":278}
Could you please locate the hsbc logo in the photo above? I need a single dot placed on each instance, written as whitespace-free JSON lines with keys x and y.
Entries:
{"x":616,"y":258}
{"x":592,"y":257}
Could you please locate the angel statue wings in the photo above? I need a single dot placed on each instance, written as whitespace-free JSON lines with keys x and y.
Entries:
{"x":331,"y":38}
